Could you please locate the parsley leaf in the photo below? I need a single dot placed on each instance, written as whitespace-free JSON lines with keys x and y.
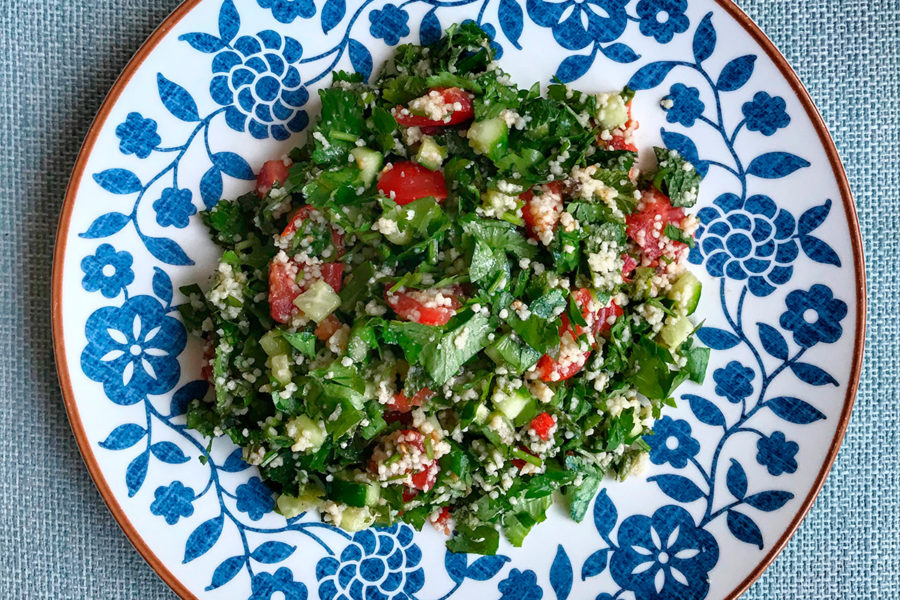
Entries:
{"x":676,"y":177}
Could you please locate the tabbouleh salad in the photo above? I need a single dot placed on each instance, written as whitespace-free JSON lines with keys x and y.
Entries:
{"x":458,"y":298}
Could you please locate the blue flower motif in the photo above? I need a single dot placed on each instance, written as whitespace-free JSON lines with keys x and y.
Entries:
{"x":137,"y":135}
{"x":777,"y":454}
{"x":264,"y":585}
{"x":734,"y":381}
{"x":814,"y":316}
{"x":173,"y":502}
{"x":107,"y":270}
{"x":751,"y":241}
{"x":260,"y":85}
{"x":664,"y":556}
{"x":133,"y":350}
{"x":766,"y":114}
{"x":672,"y":443}
{"x":520,"y":585}
{"x":578,"y":23}
{"x":686,"y":105}
{"x":285,"y":11}
{"x":662,"y":19}
{"x":389,"y":24}
{"x":377,"y":563}
{"x":254,"y":498}
{"x":174,"y":207}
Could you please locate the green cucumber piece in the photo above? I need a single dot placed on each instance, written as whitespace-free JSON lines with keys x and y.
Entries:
{"x":355,"y":493}
{"x":369,"y":163}
{"x":356,"y":518}
{"x":685,"y":293}
{"x":612,"y":112}
{"x":489,"y":137}
{"x":675,"y":333}
{"x":273,"y":344}
{"x":310,"y":497}
{"x":308,"y":435}
{"x":431,"y":155}
{"x":511,"y":402}
{"x":280,"y":366}
{"x":319,"y":301}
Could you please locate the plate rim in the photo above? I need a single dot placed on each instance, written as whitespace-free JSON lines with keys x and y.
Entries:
{"x":150,"y":44}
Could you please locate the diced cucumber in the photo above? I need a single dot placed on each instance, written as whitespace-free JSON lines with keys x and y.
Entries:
{"x":319,"y":301}
{"x":309,"y":497}
{"x":612,"y":112}
{"x":511,"y":402}
{"x":504,"y":206}
{"x":306,"y":433}
{"x":272,"y":343}
{"x":499,"y":430}
{"x":674,"y":334}
{"x":369,"y":163}
{"x":489,"y":137}
{"x":280,"y":366}
{"x":356,"y":518}
{"x":431,"y":155}
{"x":355,"y":493}
{"x":481,"y":414}
{"x":686,"y":293}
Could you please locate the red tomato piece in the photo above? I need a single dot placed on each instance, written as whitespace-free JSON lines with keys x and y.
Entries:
{"x":402,"y":404}
{"x":283,"y":289}
{"x":425,"y":479}
{"x":407,"y":181}
{"x":451,"y":96}
{"x":327,"y":328}
{"x":541,"y":213}
{"x":646,"y":226}
{"x":542,"y":424}
{"x":628,"y":266}
{"x":551,"y":370}
{"x":332,"y":274}
{"x":206,"y":368}
{"x":442,"y":521}
{"x":602,"y":323}
{"x":303,"y":213}
{"x":518,"y":462}
{"x":272,"y":172}
{"x":618,"y":136}
{"x":416,"y":305}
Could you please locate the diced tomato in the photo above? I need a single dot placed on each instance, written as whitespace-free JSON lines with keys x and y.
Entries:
{"x":303,"y":213}
{"x":402,"y":404}
{"x":272,"y":172}
{"x":542,"y":424}
{"x":583,"y":299}
{"x":283,"y":289}
{"x":647,"y":231}
{"x":407,"y":181}
{"x":518,"y":462}
{"x":535,"y":212}
{"x":409,"y":494}
{"x":412,"y":305}
{"x":332,"y":274}
{"x":450,"y":95}
{"x":425,"y":479}
{"x":327,"y":328}
{"x":392,"y":416}
{"x":550,"y":370}
{"x":618,"y":136}
{"x":602,"y":323}
{"x":206,"y":368}
{"x":442,"y":521}
{"x":628,"y":266}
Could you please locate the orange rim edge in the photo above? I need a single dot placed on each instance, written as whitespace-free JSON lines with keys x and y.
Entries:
{"x":156,"y":37}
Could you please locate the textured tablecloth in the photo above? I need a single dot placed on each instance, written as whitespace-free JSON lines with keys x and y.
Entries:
{"x":58,"y":58}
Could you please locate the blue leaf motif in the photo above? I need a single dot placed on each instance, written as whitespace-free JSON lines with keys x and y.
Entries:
{"x":203,"y":42}
{"x":229,"y":21}
{"x":704,"y":39}
{"x":620,"y":53}
{"x":211,"y":187}
{"x":595,"y":564}
{"x":651,"y":75}
{"x":203,"y":538}
{"x":772,"y":341}
{"x":574,"y":67}
{"x":177,"y":99}
{"x":118,"y":181}
{"x":486,"y":567}
{"x":812,"y":374}
{"x":819,"y":251}
{"x":332,"y":13}
{"x":272,"y":552}
{"x":561,"y":574}
{"x":194,"y":390}
{"x":511,"y":21}
{"x":705,"y":411}
{"x":795,"y":410}
{"x":168,"y":452}
{"x":360,"y":58}
{"x":686,"y":148}
{"x":774,"y":165}
{"x":233,"y":165}
{"x":235,"y":462}
{"x":105,"y":226}
{"x":813,"y":217}
{"x":677,"y":487}
{"x":430,"y":28}
{"x":136,"y":473}
{"x":768,"y":501}
{"x":736,"y":73}
{"x":226,"y":571}
{"x":455,"y":565}
{"x":605,"y":514}
{"x":162,"y":286}
{"x":167,"y":251}
{"x":717,"y":339}
{"x":736,"y":480}
{"x":123,"y":436}
{"x":743,"y":528}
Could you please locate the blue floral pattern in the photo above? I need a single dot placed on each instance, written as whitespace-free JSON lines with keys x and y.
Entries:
{"x":748,"y":239}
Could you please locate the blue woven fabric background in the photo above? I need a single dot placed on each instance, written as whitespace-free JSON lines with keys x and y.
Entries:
{"x":58,"y":58}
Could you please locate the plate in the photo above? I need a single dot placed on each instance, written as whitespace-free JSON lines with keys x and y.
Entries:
{"x":733,"y":469}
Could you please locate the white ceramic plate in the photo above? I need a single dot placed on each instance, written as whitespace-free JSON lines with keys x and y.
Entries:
{"x":735,"y":466}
